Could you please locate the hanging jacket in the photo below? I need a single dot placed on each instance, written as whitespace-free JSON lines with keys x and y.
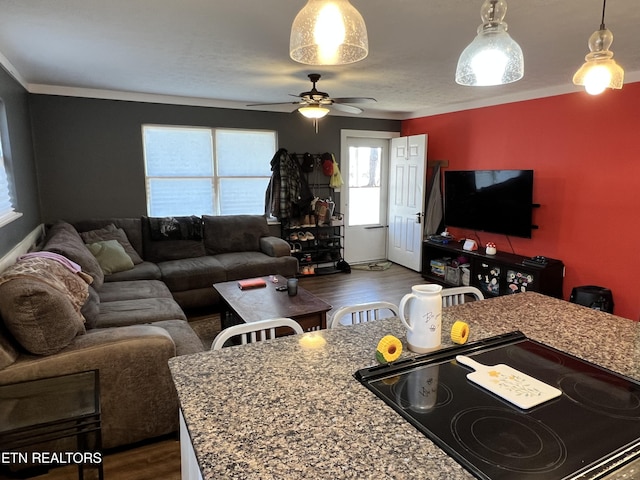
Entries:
{"x":288,"y":194}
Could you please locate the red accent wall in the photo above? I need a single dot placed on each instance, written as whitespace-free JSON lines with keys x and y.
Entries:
{"x":585,"y":153}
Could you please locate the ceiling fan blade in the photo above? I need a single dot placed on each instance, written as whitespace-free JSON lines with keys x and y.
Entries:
{"x":354,"y":100}
{"x":346,"y":108}
{"x":277,"y":103}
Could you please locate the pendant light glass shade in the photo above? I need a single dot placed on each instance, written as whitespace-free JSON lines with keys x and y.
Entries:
{"x":328,"y":32}
{"x":600,"y":71}
{"x":313,"y":111}
{"x":493,"y":57}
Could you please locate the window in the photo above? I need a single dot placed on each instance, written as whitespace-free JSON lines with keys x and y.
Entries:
{"x":205,"y":171}
{"x":7,"y":202}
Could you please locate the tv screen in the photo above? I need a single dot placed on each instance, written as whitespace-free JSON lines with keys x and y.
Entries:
{"x":497,"y":201}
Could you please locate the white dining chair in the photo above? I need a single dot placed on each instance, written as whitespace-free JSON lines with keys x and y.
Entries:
{"x":363,"y":312}
{"x":255,"y":331}
{"x":456,"y":295}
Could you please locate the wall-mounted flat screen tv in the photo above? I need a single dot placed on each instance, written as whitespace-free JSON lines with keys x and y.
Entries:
{"x":497,"y":201}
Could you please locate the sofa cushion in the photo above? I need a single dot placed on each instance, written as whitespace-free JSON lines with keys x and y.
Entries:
{"x":190,"y":273}
{"x":91,"y":308}
{"x":63,"y":239}
{"x":134,"y":312}
{"x":111,"y":232}
{"x":159,"y":249}
{"x":234,"y":233}
{"x":8,"y":350}
{"x":42,"y":319}
{"x":133,"y":290}
{"x":111,"y":256}
{"x":186,"y":340}
{"x":255,"y":264}
{"x":141,"y":271}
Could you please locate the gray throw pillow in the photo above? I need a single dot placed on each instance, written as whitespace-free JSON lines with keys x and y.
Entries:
{"x":111,"y":232}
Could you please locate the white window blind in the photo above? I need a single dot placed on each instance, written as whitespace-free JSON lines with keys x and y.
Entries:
{"x":7,"y":205}
{"x":204,"y":171}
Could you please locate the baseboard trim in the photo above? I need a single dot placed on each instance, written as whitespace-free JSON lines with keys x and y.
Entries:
{"x":30,"y":241}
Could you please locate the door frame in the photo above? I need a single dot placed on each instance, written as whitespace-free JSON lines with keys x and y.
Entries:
{"x":344,"y":155}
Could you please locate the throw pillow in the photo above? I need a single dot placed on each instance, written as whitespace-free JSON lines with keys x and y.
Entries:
{"x":111,"y":256}
{"x":41,"y":318}
{"x":111,"y":232}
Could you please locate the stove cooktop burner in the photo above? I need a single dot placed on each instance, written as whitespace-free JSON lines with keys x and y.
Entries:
{"x":601,"y":394}
{"x":508,"y":440}
{"x":585,"y":430}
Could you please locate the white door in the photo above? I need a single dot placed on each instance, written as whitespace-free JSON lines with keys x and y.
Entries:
{"x":365,"y":199}
{"x":407,"y":184}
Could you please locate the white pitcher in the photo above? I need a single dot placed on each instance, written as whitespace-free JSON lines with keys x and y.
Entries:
{"x":424,"y":322}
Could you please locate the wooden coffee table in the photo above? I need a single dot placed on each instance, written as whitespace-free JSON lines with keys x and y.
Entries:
{"x":266,"y":302}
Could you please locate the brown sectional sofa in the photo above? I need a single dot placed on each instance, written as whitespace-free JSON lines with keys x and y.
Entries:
{"x":230,"y":248}
{"x":133,"y":318}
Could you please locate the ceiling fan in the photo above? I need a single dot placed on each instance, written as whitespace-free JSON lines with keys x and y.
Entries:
{"x":315,"y":104}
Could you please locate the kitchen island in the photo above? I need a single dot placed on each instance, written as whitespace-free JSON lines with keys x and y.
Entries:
{"x":290,"y":408}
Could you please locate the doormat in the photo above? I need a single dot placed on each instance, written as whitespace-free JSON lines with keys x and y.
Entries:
{"x":375,"y":266}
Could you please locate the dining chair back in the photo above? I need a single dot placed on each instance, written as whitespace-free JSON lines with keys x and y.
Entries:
{"x":363,"y":312}
{"x":255,"y":331}
{"x":456,"y":295}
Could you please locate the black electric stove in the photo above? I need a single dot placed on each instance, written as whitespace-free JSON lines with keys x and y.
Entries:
{"x":590,"y":430}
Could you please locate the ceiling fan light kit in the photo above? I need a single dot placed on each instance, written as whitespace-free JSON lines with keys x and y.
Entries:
{"x":315,"y":104}
{"x":600,"y":71}
{"x":328,"y":32}
{"x":313,"y":111}
{"x":493,"y":57}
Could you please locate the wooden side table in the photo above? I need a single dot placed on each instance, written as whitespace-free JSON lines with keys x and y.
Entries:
{"x":42,"y":410}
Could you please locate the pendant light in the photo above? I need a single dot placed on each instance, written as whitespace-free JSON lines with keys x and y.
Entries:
{"x":600,"y":71}
{"x":493,"y":57}
{"x":328,"y":32}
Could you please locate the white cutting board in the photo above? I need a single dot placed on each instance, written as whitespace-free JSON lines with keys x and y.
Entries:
{"x":512,"y":385}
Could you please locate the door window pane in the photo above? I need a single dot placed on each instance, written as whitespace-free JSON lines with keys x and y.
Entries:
{"x":364,"y":185}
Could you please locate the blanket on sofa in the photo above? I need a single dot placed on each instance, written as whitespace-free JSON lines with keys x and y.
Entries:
{"x":55,"y":274}
{"x":176,"y":228}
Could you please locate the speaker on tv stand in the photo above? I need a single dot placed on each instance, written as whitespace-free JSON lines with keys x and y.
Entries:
{"x":593,"y":296}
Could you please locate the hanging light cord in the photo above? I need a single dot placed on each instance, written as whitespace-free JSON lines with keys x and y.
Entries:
{"x":604,"y":5}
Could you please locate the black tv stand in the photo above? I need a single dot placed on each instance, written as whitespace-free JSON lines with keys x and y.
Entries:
{"x":500,"y":274}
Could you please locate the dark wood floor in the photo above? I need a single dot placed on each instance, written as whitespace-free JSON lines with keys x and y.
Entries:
{"x":361,"y":286}
{"x":161,"y":460}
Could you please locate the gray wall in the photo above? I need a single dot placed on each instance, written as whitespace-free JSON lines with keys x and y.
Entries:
{"x":89,"y":152}
{"x":21,"y":157}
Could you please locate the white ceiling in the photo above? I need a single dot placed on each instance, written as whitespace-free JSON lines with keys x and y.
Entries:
{"x":229,"y":53}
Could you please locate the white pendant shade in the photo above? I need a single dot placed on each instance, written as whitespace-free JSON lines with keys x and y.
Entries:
{"x":600,"y":71}
{"x":328,"y":32}
{"x":493,"y":57}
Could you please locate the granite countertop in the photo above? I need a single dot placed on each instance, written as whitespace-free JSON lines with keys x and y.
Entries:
{"x":282,"y":409}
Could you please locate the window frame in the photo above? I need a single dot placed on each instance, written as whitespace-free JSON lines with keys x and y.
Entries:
{"x":215,"y":178}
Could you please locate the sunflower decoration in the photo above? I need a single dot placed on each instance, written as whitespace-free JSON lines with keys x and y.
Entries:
{"x":389,"y":349}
